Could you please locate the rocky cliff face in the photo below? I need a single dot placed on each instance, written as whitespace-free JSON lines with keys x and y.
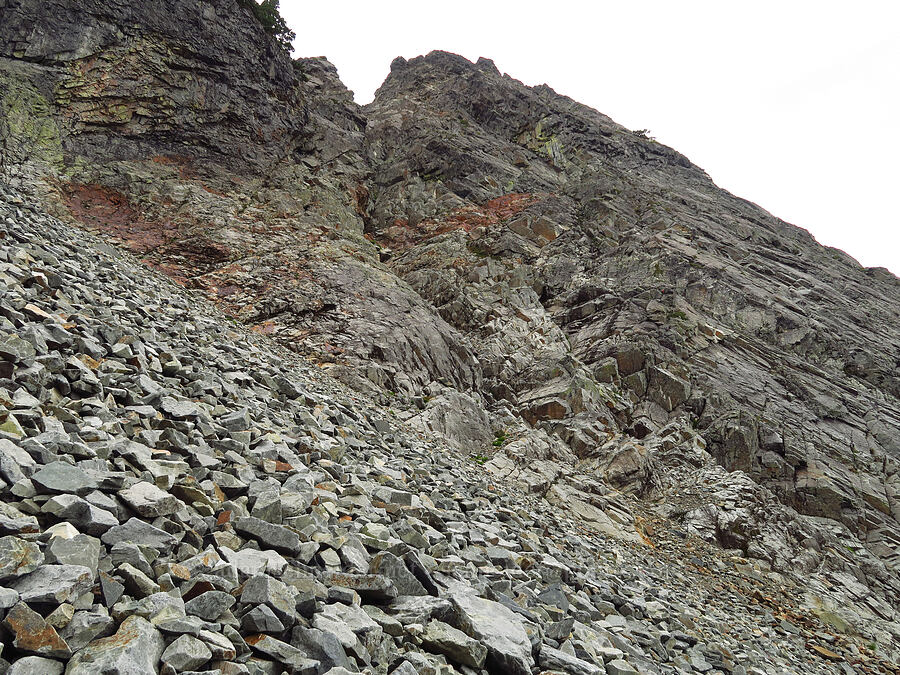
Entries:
{"x":571,"y":309}
{"x":579,"y":258}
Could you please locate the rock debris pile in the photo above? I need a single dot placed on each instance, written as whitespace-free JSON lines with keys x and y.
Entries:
{"x":470,"y":379}
{"x":180,"y":495}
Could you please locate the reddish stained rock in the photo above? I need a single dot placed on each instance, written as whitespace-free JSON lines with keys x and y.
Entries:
{"x":162,"y":242}
{"x":108,"y":210}
{"x":553,"y":409}
{"x":179,"y":571}
{"x":135,"y":648}
{"x":34,"y":635}
{"x":18,"y":557}
{"x":199,"y":588}
{"x":181,"y":163}
{"x":254,"y":639}
{"x":275,"y":466}
{"x":264,"y":328}
{"x":225,"y":291}
{"x":402,"y":234}
{"x":823,"y":652}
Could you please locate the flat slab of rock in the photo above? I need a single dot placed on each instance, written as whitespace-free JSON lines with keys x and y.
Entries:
{"x":372,"y":587}
{"x":554,"y":659}
{"x":496,"y":627}
{"x":135,"y":648}
{"x":620,"y":667}
{"x":179,"y":409}
{"x":138,"y":532}
{"x":273,"y":536}
{"x":60,"y":477}
{"x":54,"y":584}
{"x":149,"y":501}
{"x":81,"y":549}
{"x":284,"y":653}
{"x":454,"y":644}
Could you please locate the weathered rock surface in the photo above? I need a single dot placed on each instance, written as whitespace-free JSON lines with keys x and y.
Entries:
{"x":498,"y":628}
{"x":456,"y":645}
{"x":135,"y":648}
{"x":603,"y":416}
{"x":32,"y":634}
{"x":54,"y":583}
{"x":18,"y":557}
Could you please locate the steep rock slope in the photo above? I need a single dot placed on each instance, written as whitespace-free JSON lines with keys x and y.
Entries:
{"x":572,"y":304}
{"x":200,"y":146}
{"x":181,"y":495}
{"x":523,"y":216}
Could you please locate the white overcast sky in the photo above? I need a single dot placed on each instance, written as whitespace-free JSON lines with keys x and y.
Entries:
{"x":794,"y":105}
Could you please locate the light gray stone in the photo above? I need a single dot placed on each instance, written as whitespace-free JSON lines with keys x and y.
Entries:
{"x":35,"y":665}
{"x":454,"y":644}
{"x":54,"y":584}
{"x":136,"y":531}
{"x":149,"y":501}
{"x":135,"y":648}
{"x":209,"y":605}
{"x":18,"y":557}
{"x":497,"y":628}
{"x":186,"y":653}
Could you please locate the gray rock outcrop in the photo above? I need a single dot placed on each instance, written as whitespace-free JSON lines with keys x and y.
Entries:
{"x":470,"y":379}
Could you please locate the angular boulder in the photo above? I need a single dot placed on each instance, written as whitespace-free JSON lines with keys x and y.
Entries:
{"x":496,"y":627}
{"x":54,"y":584}
{"x":18,"y":557}
{"x":32,"y":634}
{"x":135,"y":649}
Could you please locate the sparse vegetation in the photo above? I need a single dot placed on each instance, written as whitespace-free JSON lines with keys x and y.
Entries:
{"x":266,"y":12}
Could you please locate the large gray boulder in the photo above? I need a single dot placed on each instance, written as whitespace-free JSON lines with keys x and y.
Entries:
{"x":135,"y":649}
{"x":496,"y":627}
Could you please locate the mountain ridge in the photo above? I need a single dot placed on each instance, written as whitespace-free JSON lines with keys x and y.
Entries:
{"x":575,"y":308}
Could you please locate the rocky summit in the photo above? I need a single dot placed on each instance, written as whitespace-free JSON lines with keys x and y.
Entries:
{"x":470,"y":379}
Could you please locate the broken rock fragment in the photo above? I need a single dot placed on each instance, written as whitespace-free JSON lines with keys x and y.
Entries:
{"x":135,"y":648}
{"x":54,"y":584}
{"x":18,"y":557}
{"x":32,"y":634}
